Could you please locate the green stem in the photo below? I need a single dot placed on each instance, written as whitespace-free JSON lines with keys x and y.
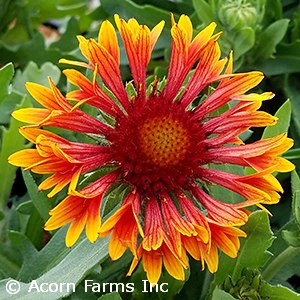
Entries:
{"x":206,"y":285}
{"x":281,"y":260}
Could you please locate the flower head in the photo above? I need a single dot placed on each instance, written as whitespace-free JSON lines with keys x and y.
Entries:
{"x":162,"y":146}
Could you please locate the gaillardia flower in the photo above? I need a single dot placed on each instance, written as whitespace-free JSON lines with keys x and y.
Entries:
{"x":162,"y":144}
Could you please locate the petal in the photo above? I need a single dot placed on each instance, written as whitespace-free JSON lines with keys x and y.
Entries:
{"x":172,"y":264}
{"x":107,"y":66}
{"x":24,"y":158}
{"x":230,"y":214}
{"x":207,"y":70}
{"x":152,"y":262}
{"x":153,"y":228}
{"x":75,"y":229}
{"x":31,"y":115}
{"x":115,"y":248}
{"x":97,"y":188}
{"x":155,"y":33}
{"x":236,"y":85}
{"x":110,"y":223}
{"x":43,"y":95}
{"x":108,"y":39}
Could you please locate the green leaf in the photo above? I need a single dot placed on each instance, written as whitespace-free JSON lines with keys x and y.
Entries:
{"x":68,"y":41}
{"x":35,"y":263}
{"x":243,"y":41}
{"x":279,"y":65}
{"x":171,"y":284}
{"x":7,"y":99}
{"x":277,"y":292}
{"x":286,"y":61}
{"x":143,"y":289}
{"x":292,"y":92}
{"x":71,"y":269}
{"x":273,"y":9}
{"x":44,"y":10}
{"x":9,"y":11}
{"x":284,"y":117}
{"x":270,"y":37}
{"x":259,"y":239}
{"x":10,"y":261}
{"x":6,"y":74}
{"x":292,"y":237}
{"x":219,"y":192}
{"x":292,"y":154}
{"x":274,"y":271}
{"x":146,"y":14}
{"x":219,"y":294}
{"x":34,"y":229}
{"x":296,"y":196}
{"x":39,"y":199}
{"x":33,"y":50}
{"x":204,"y":11}
{"x":12,"y":141}
{"x":35,"y":74}
{"x":25,"y":208}
{"x":111,"y":296}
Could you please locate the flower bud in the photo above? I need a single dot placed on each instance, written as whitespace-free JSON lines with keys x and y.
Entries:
{"x":238,"y":14}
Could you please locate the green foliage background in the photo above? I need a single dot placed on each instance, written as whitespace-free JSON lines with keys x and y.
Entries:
{"x":35,"y":34}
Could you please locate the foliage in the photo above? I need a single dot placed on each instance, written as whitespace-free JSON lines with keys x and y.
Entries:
{"x":34,"y":35}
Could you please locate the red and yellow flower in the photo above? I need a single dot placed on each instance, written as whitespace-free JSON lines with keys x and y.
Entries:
{"x":162,"y":146}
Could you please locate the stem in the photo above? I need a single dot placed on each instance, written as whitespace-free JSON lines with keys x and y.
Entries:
{"x":281,"y":260}
{"x":206,"y":285}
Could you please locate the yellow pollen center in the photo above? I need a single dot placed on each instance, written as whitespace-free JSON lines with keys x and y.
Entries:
{"x":164,"y":140}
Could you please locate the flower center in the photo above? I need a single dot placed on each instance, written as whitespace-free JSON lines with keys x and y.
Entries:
{"x":156,"y":146}
{"x":164,"y":140}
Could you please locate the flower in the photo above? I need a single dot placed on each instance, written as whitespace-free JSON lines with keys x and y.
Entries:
{"x":160,"y":143}
{"x":239,"y":13}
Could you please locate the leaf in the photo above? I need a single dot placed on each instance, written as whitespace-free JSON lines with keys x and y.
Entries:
{"x":111,"y":296}
{"x":277,"y":292}
{"x":287,"y":269}
{"x":68,"y":41}
{"x":292,"y":237}
{"x":32,"y":50}
{"x":296,"y":196}
{"x":35,"y":74}
{"x":291,"y":90}
{"x":220,"y":193}
{"x":286,"y":61}
{"x":204,"y":11}
{"x":243,"y":41}
{"x":259,"y":239}
{"x":292,"y":154}
{"x":35,"y":263}
{"x":284,"y":116}
{"x":270,"y":37}
{"x":10,"y":261}
{"x":7,"y":104}
{"x":146,"y":14}
{"x":25,"y":208}
{"x":279,"y":65}
{"x":6,"y":74}
{"x":12,"y":141}
{"x":166,"y":289}
{"x":71,"y":269}
{"x":9,"y":11}
{"x":39,"y":199}
{"x":219,"y":294}
{"x":58,"y":9}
